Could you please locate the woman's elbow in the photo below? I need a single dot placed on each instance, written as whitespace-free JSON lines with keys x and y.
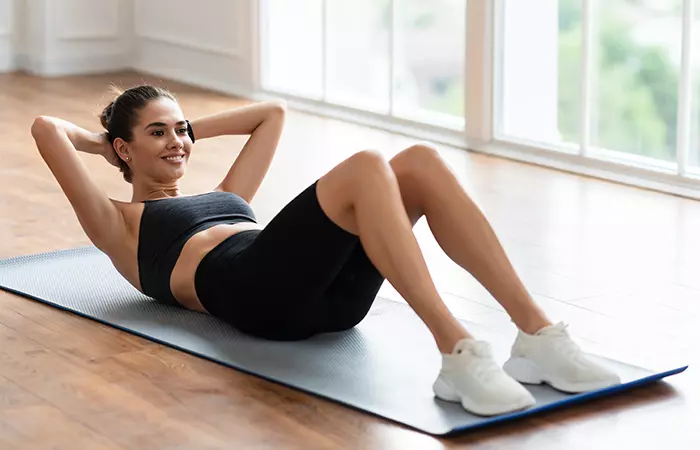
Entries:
{"x":42,"y":125}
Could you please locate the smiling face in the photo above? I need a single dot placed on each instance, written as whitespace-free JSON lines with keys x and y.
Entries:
{"x":160,"y":146}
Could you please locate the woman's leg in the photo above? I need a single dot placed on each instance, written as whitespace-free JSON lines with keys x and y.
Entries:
{"x":362,"y":196}
{"x":428,"y":187}
{"x":541,"y":352}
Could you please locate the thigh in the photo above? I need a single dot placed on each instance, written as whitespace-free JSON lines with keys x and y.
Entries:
{"x":281,"y":277}
{"x":352,"y":292}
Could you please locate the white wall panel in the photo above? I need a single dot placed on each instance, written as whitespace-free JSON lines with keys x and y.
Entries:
{"x":79,"y":36}
{"x":209,"y":45}
{"x":87,"y":19}
{"x":208,"y":25}
{"x":7,"y":44}
{"x":6,"y":18}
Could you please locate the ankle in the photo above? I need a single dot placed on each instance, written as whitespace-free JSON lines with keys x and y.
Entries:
{"x":534,"y":325}
{"x":446,"y":340}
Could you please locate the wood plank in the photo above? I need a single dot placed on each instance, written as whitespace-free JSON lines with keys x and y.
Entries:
{"x":35,"y":426}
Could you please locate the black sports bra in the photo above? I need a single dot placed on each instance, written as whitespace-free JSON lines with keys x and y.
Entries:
{"x":168,"y":223}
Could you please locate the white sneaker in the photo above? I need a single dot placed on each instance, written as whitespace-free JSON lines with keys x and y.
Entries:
{"x":471,"y":377}
{"x":550,"y":356}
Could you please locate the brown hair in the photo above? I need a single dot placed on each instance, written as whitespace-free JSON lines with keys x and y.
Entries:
{"x":119,"y":116}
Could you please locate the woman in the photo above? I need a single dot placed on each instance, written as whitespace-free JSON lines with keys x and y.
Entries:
{"x":318,"y":265}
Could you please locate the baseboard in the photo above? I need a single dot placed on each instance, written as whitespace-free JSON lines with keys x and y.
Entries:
{"x":603,"y":170}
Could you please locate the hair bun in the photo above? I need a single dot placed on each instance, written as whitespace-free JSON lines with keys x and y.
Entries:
{"x":106,"y":115}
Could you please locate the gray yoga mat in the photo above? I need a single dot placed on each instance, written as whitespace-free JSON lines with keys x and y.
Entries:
{"x":384,"y":366}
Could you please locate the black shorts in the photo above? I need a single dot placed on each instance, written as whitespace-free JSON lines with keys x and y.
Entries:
{"x":300,"y":276}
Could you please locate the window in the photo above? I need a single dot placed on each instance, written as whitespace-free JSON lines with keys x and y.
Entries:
{"x":541,"y":70}
{"x":292,"y":47}
{"x":358,"y":55}
{"x":401,"y":58}
{"x":429,"y":61}
{"x":636,"y":64}
{"x":634,"y":61}
{"x":592,"y":86}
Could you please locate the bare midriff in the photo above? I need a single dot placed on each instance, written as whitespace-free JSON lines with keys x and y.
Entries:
{"x":195,"y":249}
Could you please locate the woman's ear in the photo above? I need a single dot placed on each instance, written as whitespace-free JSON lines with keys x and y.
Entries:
{"x":122,"y":148}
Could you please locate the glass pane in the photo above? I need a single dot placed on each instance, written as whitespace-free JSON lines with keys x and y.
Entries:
{"x":292,"y":47}
{"x":694,"y":158}
{"x":635,"y":84}
{"x":541,"y":70}
{"x":358,"y":53}
{"x":429,"y":64}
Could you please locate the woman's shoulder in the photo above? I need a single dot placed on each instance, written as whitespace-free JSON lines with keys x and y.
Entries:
{"x":123,"y":253}
{"x":130,"y":217}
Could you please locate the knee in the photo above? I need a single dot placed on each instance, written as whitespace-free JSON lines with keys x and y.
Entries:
{"x":369,"y":158}
{"x":416,"y":159}
{"x":371,"y":163}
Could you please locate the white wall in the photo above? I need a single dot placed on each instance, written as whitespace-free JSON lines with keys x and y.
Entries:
{"x":62,"y":37}
{"x":79,"y":36}
{"x":7,"y":35}
{"x":206,"y":43}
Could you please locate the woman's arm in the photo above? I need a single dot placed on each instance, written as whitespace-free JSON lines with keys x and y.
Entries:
{"x":56,"y":141}
{"x":264,"y":123}
{"x":86,"y":141}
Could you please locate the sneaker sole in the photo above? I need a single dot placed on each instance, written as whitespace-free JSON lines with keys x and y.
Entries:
{"x":445,"y":392}
{"x":527,"y":372}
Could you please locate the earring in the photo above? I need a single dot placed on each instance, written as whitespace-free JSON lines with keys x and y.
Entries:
{"x":128,"y":158}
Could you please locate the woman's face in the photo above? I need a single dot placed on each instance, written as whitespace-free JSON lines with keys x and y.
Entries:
{"x":160,"y":145}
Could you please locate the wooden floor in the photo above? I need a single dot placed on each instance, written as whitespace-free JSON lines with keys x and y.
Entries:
{"x":621,"y":265}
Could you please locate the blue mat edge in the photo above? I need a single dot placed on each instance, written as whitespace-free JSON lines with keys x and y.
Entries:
{"x":574,"y":399}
